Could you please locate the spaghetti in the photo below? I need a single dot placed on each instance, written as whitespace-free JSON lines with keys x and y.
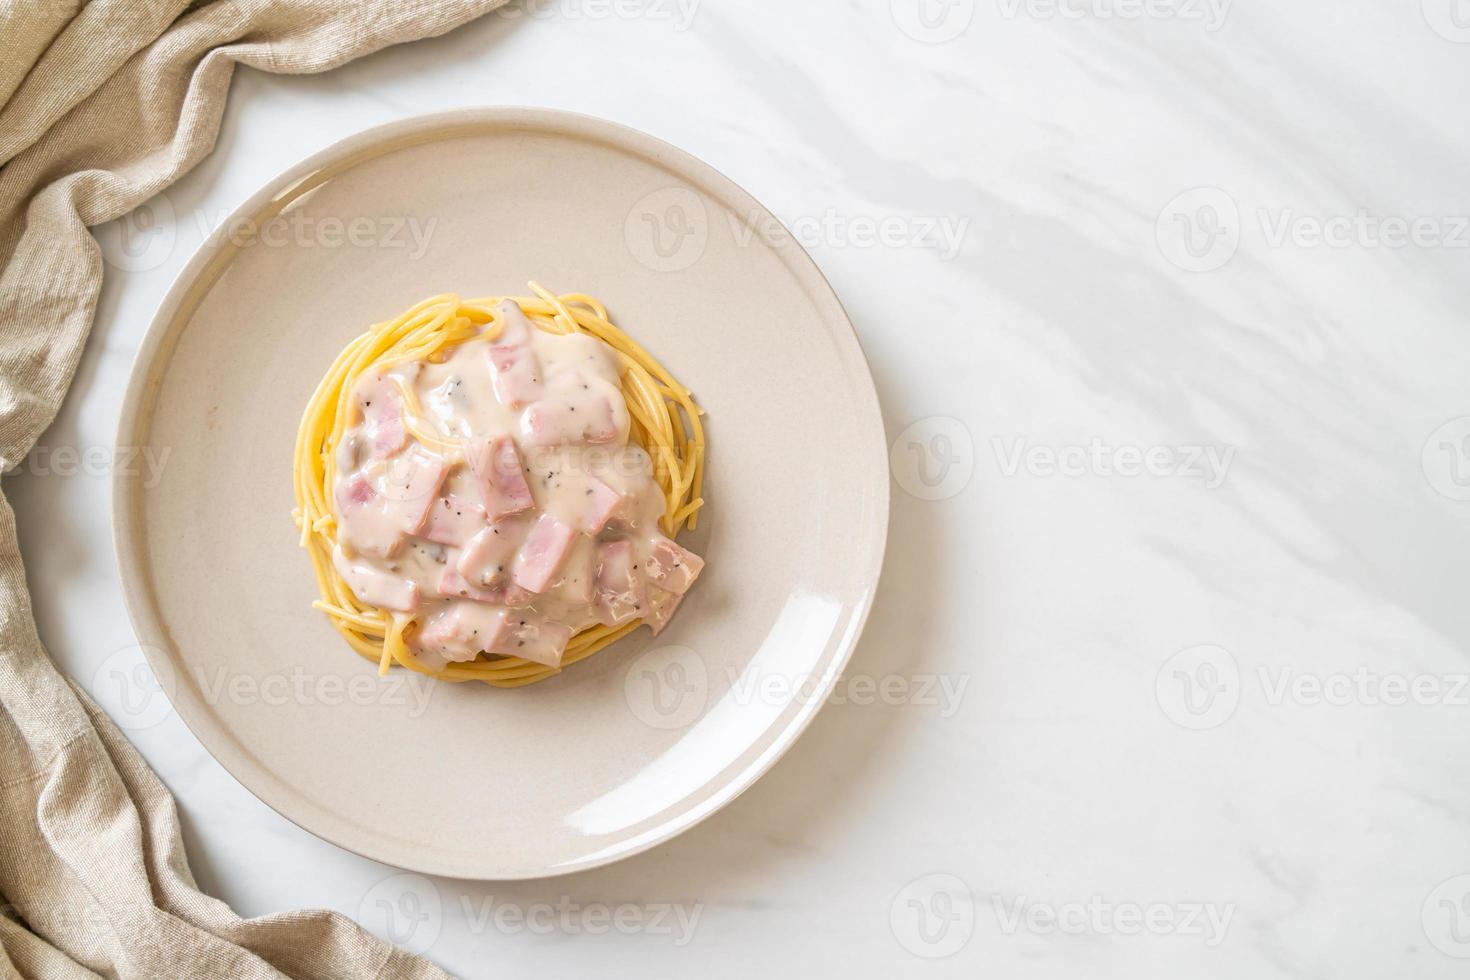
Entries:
{"x":662,"y":418}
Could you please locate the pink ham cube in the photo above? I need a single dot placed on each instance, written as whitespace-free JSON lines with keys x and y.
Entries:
{"x":486,"y":559}
{"x":516,"y":373}
{"x":454,"y":586}
{"x":453,"y":520}
{"x":579,"y":575}
{"x":533,"y":638}
{"x":516,"y":329}
{"x":375,"y":587}
{"x":557,"y":422}
{"x":363,"y":519}
{"x":382,"y":413}
{"x":411,"y":487}
{"x":671,"y":567}
{"x":619,"y":591}
{"x":497,"y":466}
{"x":545,"y":549}
{"x":661,"y":608}
{"x":602,"y":501}
{"x":463,"y":630}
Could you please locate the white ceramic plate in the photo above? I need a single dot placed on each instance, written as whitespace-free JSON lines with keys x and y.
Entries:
{"x":617,"y":753}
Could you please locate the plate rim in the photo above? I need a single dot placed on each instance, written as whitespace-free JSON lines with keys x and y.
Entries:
{"x":135,"y":417}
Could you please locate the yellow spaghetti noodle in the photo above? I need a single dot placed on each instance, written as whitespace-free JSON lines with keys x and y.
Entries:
{"x":664,"y":421}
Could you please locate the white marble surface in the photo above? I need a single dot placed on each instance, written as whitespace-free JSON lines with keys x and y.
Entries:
{"x":1133,"y":731}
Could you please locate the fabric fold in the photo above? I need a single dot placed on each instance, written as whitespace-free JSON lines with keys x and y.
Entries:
{"x":102,"y":106}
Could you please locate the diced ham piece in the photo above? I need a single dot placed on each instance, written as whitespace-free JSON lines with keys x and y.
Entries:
{"x":382,"y":412}
{"x":453,"y":520}
{"x":661,"y":607}
{"x":619,"y":591}
{"x":363,"y":518}
{"x":535,"y":639}
{"x":602,"y":502}
{"x":497,"y":465}
{"x":355,"y":491}
{"x":377,"y":588}
{"x":545,"y":549}
{"x":516,"y":372}
{"x":411,"y":487}
{"x":486,"y":559}
{"x":556,"y":422}
{"x":579,"y":574}
{"x":516,"y":329}
{"x":453,"y":585}
{"x":463,"y":630}
{"x":671,"y":567}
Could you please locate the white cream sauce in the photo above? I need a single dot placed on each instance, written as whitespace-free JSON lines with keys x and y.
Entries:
{"x":530,"y":517}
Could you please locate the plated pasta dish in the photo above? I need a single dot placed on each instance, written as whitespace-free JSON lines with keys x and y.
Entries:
{"x":492,"y":489}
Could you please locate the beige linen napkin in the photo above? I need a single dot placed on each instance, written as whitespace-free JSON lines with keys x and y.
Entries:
{"x":101,"y":107}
